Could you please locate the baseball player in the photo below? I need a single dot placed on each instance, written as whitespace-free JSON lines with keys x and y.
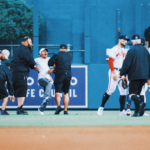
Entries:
{"x":116,"y":57}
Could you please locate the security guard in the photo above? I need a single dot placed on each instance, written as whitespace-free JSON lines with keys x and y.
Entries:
{"x":6,"y":75}
{"x":62,"y":62}
{"x":21,"y":63}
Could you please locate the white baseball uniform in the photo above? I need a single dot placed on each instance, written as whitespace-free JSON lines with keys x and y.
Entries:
{"x":118,"y":54}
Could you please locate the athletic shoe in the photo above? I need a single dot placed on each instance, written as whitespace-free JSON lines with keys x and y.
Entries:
{"x":41,"y":112}
{"x":47,"y":99}
{"x":66,"y":113}
{"x":58,"y":110}
{"x":122,"y":113}
{"x":145,"y":114}
{"x":4,"y":112}
{"x":142,"y":109}
{"x":100,"y":111}
{"x":128,"y":111}
{"x":135,"y":115}
{"x":21,"y":112}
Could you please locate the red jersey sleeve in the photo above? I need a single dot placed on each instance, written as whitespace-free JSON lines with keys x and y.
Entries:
{"x":111,"y":65}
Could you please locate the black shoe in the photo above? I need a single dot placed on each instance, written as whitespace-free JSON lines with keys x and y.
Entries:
{"x":141,"y":107}
{"x":21,"y":111}
{"x":58,"y":110}
{"x":66,"y":113}
{"x":136,"y":115}
{"x":142,"y":111}
{"x":4,"y":112}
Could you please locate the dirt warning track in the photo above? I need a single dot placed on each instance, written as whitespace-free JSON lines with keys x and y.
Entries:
{"x":75,"y":138}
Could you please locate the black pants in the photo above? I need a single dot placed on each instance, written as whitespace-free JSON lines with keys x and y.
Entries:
{"x":135,"y":86}
{"x":19,"y":84}
{"x":62,"y":83}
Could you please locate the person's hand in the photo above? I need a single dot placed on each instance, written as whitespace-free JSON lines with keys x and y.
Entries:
{"x":126,"y":81}
{"x":115,"y":76}
{"x":50,"y":71}
{"x":37,"y":69}
{"x":148,"y":83}
{"x":12,"y":98}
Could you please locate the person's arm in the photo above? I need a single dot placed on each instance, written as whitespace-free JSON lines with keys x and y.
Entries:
{"x":52,"y":60}
{"x":36,"y":61}
{"x":146,"y":38}
{"x":111,"y":65}
{"x":28,"y":58}
{"x":9,"y":81}
{"x":51,"y":70}
{"x":147,"y":44}
{"x":112,"y":56}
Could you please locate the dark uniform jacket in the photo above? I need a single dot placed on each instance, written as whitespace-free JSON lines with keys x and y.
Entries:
{"x":6,"y":75}
{"x":62,"y":60}
{"x":147,"y":35}
{"x":137,"y":63}
{"x":22,"y":61}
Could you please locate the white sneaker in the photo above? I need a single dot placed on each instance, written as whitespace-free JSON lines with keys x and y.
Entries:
{"x":100,"y":111}
{"x":122,"y":113}
{"x":41,"y":112}
{"x":128,"y":112}
{"x":145,"y":114}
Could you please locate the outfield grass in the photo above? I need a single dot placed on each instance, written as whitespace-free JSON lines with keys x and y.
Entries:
{"x":75,"y":118}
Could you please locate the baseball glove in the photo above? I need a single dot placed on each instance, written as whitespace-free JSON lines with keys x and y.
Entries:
{"x":124,"y":84}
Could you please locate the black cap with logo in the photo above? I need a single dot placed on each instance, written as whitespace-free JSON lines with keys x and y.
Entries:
{"x":63,"y":46}
{"x":124,"y":37}
{"x":135,"y":37}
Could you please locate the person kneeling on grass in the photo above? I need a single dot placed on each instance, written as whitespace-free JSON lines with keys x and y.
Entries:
{"x":44,"y":78}
{"x":6,"y":75}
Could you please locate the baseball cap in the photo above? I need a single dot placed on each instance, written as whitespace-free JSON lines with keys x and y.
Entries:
{"x":124,"y":37}
{"x":63,"y":46}
{"x":6,"y":53}
{"x":42,"y":49}
{"x":135,"y":37}
{"x":143,"y":41}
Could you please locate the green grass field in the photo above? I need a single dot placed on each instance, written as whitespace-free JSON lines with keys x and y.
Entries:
{"x":75,"y":118}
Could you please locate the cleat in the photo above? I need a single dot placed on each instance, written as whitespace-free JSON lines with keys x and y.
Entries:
{"x":128,"y":111}
{"x":122,"y":113}
{"x":145,"y":114}
{"x":142,"y":109}
{"x":100,"y":111}
{"x":135,"y":115}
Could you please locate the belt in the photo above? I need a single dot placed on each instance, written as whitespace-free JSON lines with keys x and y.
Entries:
{"x":117,"y":69}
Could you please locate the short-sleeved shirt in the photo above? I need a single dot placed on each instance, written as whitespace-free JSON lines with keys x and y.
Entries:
{"x":42,"y":64}
{"x":147,"y":35}
{"x":118,"y":54}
